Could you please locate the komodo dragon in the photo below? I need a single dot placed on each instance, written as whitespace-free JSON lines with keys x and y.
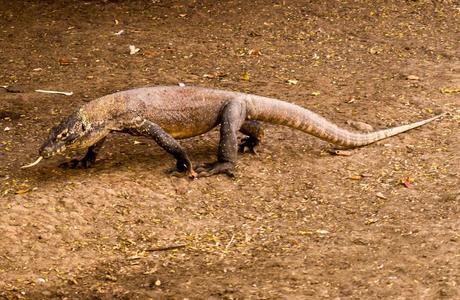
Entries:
{"x":172,"y":112}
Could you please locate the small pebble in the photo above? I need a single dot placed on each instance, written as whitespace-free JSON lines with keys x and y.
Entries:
{"x":41,"y":280}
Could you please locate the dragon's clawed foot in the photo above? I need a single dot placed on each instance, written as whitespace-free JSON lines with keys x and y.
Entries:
{"x":84,"y":163}
{"x":248,"y":143}
{"x":178,"y":173}
{"x":183,"y":168}
{"x":215,"y":168}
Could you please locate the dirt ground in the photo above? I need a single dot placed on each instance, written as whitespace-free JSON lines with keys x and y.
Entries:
{"x":296,"y":222}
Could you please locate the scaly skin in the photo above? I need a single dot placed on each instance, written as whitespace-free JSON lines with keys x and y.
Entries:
{"x":169,"y":113}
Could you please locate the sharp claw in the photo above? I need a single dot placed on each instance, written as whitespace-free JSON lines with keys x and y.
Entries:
{"x":75,"y":164}
{"x":192,"y":174}
{"x":178,"y":173}
{"x":249,"y":144}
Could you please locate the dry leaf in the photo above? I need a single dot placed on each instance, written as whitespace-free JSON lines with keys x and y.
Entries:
{"x":408,"y":182}
{"x":22,"y":191}
{"x":245,"y":76}
{"x":110,"y":277}
{"x":65,"y":61}
{"x":149,"y":53}
{"x":380,"y":195}
{"x":450,"y":91}
{"x":255,"y":52}
{"x":133,"y":50}
{"x":375,"y":50}
{"x":370,"y":221}
{"x":413,"y":77}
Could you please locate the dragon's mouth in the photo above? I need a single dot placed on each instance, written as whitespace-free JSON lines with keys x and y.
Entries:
{"x":44,"y":154}
{"x":48,"y":152}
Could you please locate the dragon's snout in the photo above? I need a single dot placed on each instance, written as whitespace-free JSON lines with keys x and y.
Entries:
{"x":47,"y":151}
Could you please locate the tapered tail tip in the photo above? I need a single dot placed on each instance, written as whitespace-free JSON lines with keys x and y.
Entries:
{"x":33,"y":164}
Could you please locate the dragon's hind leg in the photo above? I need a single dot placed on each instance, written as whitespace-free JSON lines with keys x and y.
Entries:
{"x":231,"y":120}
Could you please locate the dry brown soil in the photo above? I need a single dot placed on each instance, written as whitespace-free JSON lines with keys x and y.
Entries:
{"x":296,"y":222}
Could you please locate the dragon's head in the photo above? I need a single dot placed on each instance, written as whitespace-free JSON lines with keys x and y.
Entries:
{"x":74,"y":132}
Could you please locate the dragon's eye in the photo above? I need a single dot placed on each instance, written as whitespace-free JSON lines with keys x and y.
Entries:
{"x":63,"y":135}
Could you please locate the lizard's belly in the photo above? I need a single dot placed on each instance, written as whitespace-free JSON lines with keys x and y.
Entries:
{"x":190,"y":126}
{"x":184,"y":117}
{"x":183,"y":133}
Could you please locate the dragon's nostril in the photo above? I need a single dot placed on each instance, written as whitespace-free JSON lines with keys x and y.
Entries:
{"x":46,"y":152}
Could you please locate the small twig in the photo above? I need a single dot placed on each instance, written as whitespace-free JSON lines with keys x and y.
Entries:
{"x":165,"y":248}
{"x":55,"y":92}
{"x":231,"y":241}
{"x":7,"y":257}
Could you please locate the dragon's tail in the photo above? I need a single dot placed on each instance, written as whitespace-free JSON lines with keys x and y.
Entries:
{"x":291,"y":115}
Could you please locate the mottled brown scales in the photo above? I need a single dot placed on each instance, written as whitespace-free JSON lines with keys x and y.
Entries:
{"x":169,"y":113}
